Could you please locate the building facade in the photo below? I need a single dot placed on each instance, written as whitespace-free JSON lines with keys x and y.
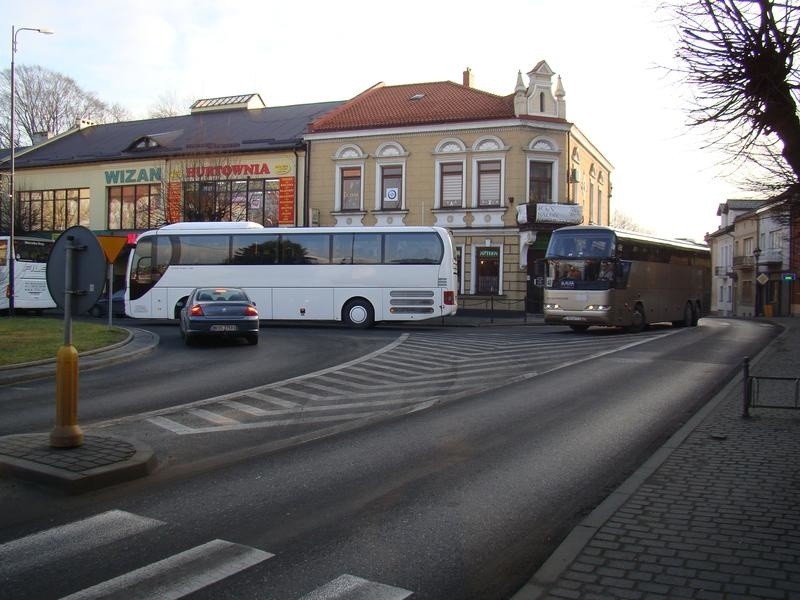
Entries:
{"x":754,"y":274}
{"x":230,"y":159}
{"x":499,"y":172}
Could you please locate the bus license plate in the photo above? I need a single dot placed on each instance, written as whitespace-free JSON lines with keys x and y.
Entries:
{"x":224,"y":328}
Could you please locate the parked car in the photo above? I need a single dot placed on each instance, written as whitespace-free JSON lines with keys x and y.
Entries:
{"x":100,"y":308}
{"x":219,"y":312}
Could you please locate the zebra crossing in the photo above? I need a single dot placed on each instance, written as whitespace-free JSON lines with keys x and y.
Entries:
{"x":64,"y":548}
{"x":412,"y":372}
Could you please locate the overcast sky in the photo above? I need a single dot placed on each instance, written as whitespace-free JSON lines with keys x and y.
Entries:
{"x":608,"y":54}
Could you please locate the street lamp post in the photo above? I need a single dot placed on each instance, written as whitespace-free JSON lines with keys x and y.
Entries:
{"x":11,"y":196}
{"x":757,"y":303}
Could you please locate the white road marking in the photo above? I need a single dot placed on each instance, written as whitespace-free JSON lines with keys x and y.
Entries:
{"x":212,"y":417}
{"x":72,"y":538}
{"x":178,"y":575}
{"x":350,"y":587}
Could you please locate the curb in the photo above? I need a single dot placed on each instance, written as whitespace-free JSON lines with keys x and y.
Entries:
{"x":94,"y":465}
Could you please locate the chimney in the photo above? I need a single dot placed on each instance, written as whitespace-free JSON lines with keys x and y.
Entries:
{"x":468,"y":80}
{"x":40,"y":136}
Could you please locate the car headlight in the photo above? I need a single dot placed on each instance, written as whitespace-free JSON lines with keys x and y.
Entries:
{"x":598,"y":307}
{"x":552,"y":306}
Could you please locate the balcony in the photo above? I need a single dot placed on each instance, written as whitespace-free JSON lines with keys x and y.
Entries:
{"x":773,"y":257}
{"x":721,"y":271}
{"x":744,"y":262}
{"x":561,"y":214}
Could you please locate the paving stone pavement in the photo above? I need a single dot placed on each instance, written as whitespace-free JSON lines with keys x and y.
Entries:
{"x":715,"y":516}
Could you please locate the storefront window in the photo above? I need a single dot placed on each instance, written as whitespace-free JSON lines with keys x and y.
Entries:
{"x":239,"y":200}
{"x":135,"y":207}
{"x":53,"y":210}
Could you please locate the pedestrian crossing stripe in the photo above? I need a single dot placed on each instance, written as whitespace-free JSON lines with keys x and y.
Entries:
{"x":350,"y":587}
{"x":178,"y":575}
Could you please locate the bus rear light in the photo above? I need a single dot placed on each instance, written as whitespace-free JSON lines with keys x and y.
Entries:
{"x":196,"y":311}
{"x":449,"y":298}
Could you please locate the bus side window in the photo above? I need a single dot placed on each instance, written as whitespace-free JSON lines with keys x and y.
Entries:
{"x":623,"y":269}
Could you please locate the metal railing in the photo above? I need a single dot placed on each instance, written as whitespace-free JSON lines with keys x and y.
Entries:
{"x":768,"y":391}
{"x":492,"y":303}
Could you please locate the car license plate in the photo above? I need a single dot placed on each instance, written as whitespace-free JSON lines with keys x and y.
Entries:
{"x":574,"y":319}
{"x":224,"y":328}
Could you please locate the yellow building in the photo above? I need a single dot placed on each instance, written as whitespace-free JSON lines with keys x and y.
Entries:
{"x":499,"y":172}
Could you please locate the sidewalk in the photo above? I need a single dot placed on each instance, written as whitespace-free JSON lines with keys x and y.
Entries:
{"x":714,"y":514}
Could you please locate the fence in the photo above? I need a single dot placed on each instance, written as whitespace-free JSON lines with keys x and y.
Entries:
{"x":490,"y":304}
{"x":768,"y":392}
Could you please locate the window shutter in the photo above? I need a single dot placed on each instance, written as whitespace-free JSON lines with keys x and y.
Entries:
{"x":451,"y":190}
{"x":489,"y":193}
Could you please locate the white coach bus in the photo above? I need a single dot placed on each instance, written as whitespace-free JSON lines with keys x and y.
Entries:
{"x":358,"y":275}
{"x":30,"y":273}
{"x":605,"y":276}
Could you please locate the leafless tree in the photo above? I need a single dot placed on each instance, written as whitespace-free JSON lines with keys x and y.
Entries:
{"x":46,"y":101}
{"x":624,"y":221}
{"x":738,"y":55}
{"x":168,"y":105}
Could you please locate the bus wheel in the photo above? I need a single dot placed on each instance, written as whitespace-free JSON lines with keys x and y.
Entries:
{"x":358,"y":313}
{"x":688,"y":316}
{"x":696,"y":315}
{"x":638,"y":320}
{"x":179,"y":306}
{"x":579,"y":328}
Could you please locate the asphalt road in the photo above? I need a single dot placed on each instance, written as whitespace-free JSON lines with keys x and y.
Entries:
{"x":462,"y":500}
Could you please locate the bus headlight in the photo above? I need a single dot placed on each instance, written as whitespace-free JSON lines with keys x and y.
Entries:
{"x":598,"y":307}
{"x":551,"y":306}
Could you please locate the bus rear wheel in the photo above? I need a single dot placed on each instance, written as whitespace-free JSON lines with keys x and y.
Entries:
{"x":358,"y":313}
{"x":638,"y":320}
{"x":688,"y":317}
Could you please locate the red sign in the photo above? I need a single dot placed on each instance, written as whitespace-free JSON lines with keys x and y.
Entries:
{"x":173,"y":201}
{"x":286,"y":201}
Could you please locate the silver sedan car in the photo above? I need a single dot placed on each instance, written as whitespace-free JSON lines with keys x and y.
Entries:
{"x":219,"y":312}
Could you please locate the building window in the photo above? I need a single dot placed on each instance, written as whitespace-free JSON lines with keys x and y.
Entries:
{"x":540,"y":188}
{"x":53,"y":210}
{"x":451,"y":185}
{"x":489,"y":178}
{"x":391,"y":187}
{"x":136,"y":207}
{"x":238,"y":200}
{"x":350,"y":178}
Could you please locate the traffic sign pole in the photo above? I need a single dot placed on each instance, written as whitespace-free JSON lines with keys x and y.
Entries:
{"x":67,"y":433}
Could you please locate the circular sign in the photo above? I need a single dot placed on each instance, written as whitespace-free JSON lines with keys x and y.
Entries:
{"x":88,"y":269}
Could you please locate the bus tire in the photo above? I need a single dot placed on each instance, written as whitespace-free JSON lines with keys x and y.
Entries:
{"x":579,"y":328}
{"x":688,"y":316}
{"x":358,"y":313}
{"x":179,"y":306}
{"x":696,"y":315}
{"x":638,"y":319}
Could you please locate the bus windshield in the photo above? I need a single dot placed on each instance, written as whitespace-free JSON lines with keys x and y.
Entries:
{"x":586,"y":274}
{"x":581,"y":244}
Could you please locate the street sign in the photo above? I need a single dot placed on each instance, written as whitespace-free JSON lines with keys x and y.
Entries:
{"x":789,"y":276}
{"x":762,"y":279}
{"x":112,"y":245}
{"x":88,"y":271}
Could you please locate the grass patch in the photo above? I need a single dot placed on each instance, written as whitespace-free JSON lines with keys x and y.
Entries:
{"x":24,"y":339}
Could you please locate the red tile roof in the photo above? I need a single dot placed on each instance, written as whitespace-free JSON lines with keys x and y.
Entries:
{"x":415,"y":104}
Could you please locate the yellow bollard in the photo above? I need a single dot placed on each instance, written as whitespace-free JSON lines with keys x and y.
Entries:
{"x":66,"y":433}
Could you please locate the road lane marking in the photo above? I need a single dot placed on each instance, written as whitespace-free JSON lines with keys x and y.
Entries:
{"x":245,"y":408}
{"x":350,"y":587}
{"x":212,"y":417}
{"x":178,"y":575}
{"x":72,"y":538}
{"x":272,"y":400}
